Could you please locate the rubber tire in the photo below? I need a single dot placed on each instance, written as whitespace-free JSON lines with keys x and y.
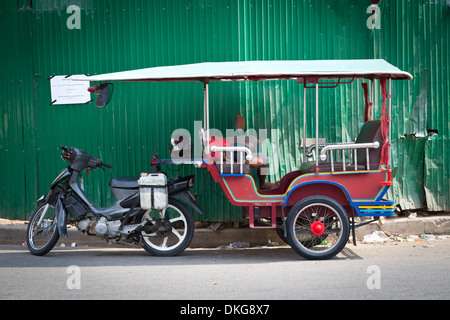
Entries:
{"x":50,"y":244}
{"x":189,"y":233}
{"x":290,"y":224}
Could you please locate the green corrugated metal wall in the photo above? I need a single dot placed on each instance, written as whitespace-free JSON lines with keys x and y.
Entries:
{"x":17,"y":111}
{"x":120,"y":35}
{"x":415,"y":36}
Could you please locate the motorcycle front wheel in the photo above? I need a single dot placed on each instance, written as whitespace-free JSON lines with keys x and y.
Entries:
{"x":168,"y":232}
{"x":42,"y":231}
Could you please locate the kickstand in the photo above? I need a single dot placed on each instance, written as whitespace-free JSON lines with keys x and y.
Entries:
{"x":353,"y":227}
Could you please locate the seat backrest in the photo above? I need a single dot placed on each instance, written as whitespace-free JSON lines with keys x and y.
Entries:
{"x":370,"y":132}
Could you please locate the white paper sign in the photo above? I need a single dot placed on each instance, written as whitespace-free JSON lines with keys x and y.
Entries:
{"x":66,"y":91}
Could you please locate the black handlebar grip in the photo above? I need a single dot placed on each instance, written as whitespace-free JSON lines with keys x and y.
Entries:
{"x":106,"y":165}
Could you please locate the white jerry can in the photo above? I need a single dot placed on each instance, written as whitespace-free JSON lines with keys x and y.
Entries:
{"x":153,"y":191}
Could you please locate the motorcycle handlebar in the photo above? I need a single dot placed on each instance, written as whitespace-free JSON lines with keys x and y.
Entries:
{"x":92,"y":162}
{"x":105,"y":165}
{"x":100,"y":164}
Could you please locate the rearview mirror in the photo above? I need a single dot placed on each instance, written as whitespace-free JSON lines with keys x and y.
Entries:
{"x":104,"y":94}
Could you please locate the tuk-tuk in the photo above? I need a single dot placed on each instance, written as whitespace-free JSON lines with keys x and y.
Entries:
{"x":314,"y":207}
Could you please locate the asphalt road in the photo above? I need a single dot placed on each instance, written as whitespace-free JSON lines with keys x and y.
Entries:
{"x":407,"y":270}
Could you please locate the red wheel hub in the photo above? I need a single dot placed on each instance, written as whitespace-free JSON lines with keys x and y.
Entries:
{"x":317,"y":228}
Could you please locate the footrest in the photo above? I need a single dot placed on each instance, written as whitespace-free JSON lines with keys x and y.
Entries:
{"x":253,"y":213}
{"x":375,"y":208}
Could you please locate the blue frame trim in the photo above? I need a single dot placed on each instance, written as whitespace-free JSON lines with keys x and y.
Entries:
{"x":319,"y":181}
{"x":263,"y":198}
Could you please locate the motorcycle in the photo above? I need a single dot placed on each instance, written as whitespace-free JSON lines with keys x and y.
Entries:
{"x":167,"y":231}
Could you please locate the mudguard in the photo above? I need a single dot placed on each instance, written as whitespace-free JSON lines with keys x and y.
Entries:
{"x":61,"y":217}
{"x":188,"y":199}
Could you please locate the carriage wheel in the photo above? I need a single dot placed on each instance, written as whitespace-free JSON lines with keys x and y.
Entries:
{"x":317,"y":227}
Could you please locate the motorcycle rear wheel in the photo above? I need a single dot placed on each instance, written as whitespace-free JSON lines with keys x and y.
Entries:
{"x":42,"y":231}
{"x":175,"y":230}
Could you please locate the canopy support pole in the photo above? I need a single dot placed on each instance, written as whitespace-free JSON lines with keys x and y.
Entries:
{"x":317,"y":126}
{"x":206,"y":112}
{"x":372,"y":104}
{"x":390,"y":124}
{"x":304,"y":120}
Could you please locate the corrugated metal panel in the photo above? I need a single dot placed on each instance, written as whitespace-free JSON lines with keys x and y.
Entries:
{"x":437,"y":152}
{"x":408,"y":172}
{"x":414,"y":36}
{"x":17,"y":114}
{"x":119,"y":35}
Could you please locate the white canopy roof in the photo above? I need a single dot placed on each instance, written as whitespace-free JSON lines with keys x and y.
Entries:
{"x":259,"y":70}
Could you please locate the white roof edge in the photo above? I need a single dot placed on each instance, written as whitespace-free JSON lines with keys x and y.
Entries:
{"x":258,"y":70}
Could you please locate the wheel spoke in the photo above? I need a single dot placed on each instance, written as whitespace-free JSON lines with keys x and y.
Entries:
{"x":331,"y":231}
{"x":175,"y":232}
{"x":176,"y":219}
{"x":164,"y":244}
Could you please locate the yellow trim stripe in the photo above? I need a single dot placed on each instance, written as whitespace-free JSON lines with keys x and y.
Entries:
{"x":376,"y":207}
{"x":253,"y":200}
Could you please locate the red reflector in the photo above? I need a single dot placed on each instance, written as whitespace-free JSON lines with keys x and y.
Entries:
{"x":93,"y":89}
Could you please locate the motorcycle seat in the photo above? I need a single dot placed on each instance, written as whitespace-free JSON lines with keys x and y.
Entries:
{"x":124,"y":183}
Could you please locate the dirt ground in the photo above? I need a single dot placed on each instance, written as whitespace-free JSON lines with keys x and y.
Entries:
{"x":8,"y":222}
